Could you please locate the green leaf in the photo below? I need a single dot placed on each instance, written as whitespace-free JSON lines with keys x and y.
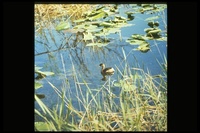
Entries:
{"x":137,"y":37}
{"x":88,"y":36}
{"x":154,"y":31}
{"x":130,"y":17}
{"x":63,"y":26}
{"x":144,"y":44}
{"x":38,"y":85}
{"x":152,"y":18}
{"x":120,"y":17}
{"x":42,"y":126}
{"x":97,"y":44}
{"x":101,"y":33}
{"x":144,"y":48}
{"x":74,"y":30}
{"x":87,"y":26}
{"x":94,"y":30}
{"x":113,"y":30}
{"x":135,"y":42}
{"x":106,"y":24}
{"x":129,"y":12}
{"x":123,"y":25}
{"x":98,"y":16}
{"x":148,"y":29}
{"x":162,"y":39}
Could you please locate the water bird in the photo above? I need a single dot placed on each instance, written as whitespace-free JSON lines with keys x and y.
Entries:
{"x":106,"y":71}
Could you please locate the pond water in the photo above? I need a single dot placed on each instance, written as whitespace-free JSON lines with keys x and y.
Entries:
{"x":83,"y":61}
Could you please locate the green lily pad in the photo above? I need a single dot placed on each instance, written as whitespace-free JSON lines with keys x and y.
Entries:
{"x":148,"y":29}
{"x":106,"y":24}
{"x":94,"y":30}
{"x":152,"y":18}
{"x":90,"y":27}
{"x":154,"y":31}
{"x":130,"y":17}
{"x":113,"y":30}
{"x":146,"y":5}
{"x":42,"y":126}
{"x":143,"y":48}
{"x":153,"y":24}
{"x":38,"y":85}
{"x":120,"y":18}
{"x":74,"y":30}
{"x":97,"y":44}
{"x":119,"y":25}
{"x":101,"y":33}
{"x":79,"y":26}
{"x":88,"y":36}
{"x":63,"y":26}
{"x":135,"y":42}
{"x":129,"y":13}
{"x":98,"y":16}
{"x":137,"y":37}
{"x":162,"y":39}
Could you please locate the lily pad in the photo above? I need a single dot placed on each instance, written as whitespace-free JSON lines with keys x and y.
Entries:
{"x":63,"y":26}
{"x":88,"y":36}
{"x":152,"y":18}
{"x":97,"y":44}
{"x":137,"y":37}
{"x":143,"y":48}
{"x":101,"y":33}
{"x":113,"y":30}
{"x":98,"y":16}
{"x":162,"y":39}
{"x":120,"y":18}
{"x":38,"y":85}
{"x":119,"y":25}
{"x":146,"y":5}
{"x":74,"y":30}
{"x":148,"y":29}
{"x":129,"y":13}
{"x":130,"y":17}
{"x":42,"y":126}
{"x":94,"y":30}
{"x":154,"y":31}
{"x":135,"y":42}
{"x":153,"y":24}
{"x":106,"y":24}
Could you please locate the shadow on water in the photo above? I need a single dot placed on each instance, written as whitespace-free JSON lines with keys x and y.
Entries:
{"x":81,"y":62}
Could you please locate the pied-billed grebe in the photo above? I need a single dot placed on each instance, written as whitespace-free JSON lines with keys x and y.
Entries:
{"x":106,"y":71}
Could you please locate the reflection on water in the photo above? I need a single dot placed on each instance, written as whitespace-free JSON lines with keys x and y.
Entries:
{"x":67,"y":55}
